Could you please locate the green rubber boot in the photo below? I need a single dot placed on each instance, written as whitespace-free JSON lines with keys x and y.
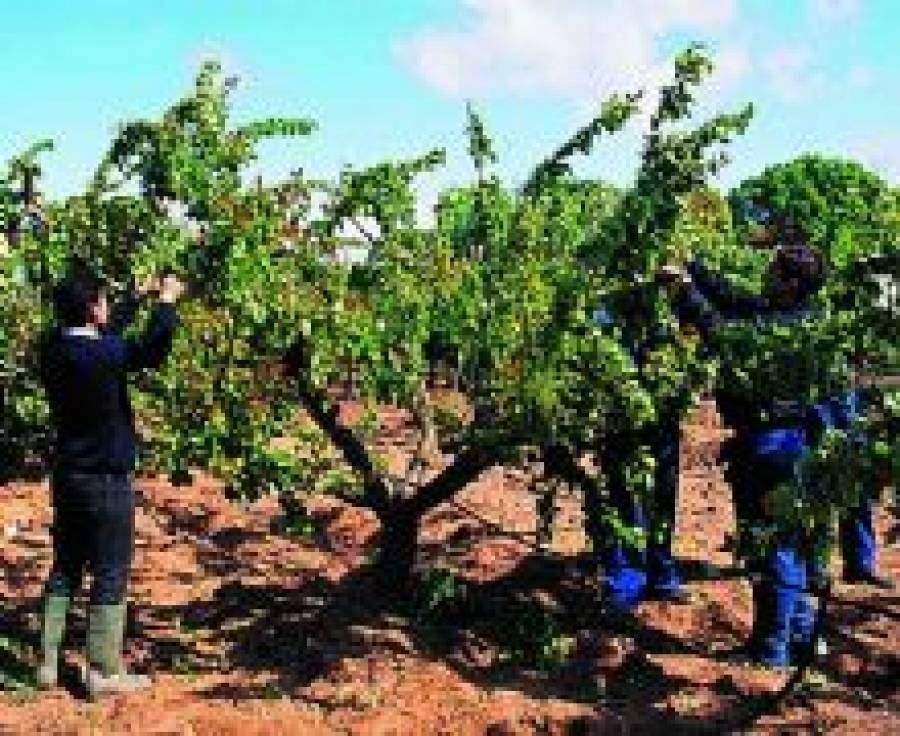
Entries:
{"x":53,"y":627}
{"x":106,"y":673}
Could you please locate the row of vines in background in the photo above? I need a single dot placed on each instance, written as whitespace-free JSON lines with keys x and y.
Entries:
{"x":502,"y":288}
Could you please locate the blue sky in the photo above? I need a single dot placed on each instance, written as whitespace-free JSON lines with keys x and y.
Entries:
{"x":389,"y":78}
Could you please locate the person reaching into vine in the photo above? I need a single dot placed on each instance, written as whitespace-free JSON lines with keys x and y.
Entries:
{"x":634,"y":571}
{"x":85,"y":363}
{"x":769,"y":436}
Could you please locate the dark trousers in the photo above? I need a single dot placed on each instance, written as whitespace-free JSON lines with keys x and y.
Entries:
{"x":93,"y":531}
{"x":858,"y":541}
{"x":662,"y":515}
{"x":656,"y":519}
{"x":857,"y":532}
{"x":749,"y":481}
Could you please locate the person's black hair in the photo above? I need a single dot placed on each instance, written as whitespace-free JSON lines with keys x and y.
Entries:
{"x":799,"y":261}
{"x":789,"y":231}
{"x":75,"y":293}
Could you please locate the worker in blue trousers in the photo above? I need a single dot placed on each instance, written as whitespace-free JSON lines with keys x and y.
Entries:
{"x":634,"y":570}
{"x":856,"y":531}
{"x":768,"y":440}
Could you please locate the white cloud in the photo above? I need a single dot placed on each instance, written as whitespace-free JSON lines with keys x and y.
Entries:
{"x":835,"y":11}
{"x":796,"y":75}
{"x":732,"y":65}
{"x":570,"y":48}
{"x":791,"y":73}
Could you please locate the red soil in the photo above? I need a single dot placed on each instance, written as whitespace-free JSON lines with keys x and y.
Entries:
{"x":249,"y":632}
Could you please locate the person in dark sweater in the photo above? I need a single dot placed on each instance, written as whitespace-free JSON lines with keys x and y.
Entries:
{"x":783,"y":302}
{"x":85,"y":362}
{"x":762,"y":453}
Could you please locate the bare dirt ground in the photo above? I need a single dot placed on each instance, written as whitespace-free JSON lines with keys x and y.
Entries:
{"x":249,"y":631}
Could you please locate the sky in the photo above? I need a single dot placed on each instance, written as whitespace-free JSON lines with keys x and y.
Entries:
{"x":389,"y":79}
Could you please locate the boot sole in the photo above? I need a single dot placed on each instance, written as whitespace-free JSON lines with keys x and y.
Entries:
{"x":96,"y":694}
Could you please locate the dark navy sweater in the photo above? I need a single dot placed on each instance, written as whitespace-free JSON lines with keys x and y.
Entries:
{"x":710,"y":302}
{"x":85,"y":379}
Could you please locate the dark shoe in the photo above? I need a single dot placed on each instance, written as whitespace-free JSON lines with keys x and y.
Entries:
{"x":819,"y":583}
{"x":869,"y":578}
{"x":744,"y":654}
{"x":814,"y":652}
{"x":670,"y":595}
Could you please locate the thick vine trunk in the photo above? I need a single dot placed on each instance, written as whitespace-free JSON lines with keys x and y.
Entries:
{"x":400,"y":517}
{"x":397,"y":550}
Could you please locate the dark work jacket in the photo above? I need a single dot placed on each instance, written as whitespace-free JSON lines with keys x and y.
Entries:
{"x":704,"y":305}
{"x":85,"y":380}
{"x":710,"y":302}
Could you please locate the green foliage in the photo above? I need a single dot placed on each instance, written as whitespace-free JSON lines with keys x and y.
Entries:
{"x":840,"y":206}
{"x":764,"y":366}
{"x":18,"y":186}
{"x":614,"y":113}
{"x":381,"y":192}
{"x":26,"y":258}
{"x":804,"y":362}
{"x":439,"y":594}
{"x":533,"y":637}
{"x":705,"y":230}
{"x":506,"y":284}
{"x":15,"y":673}
{"x":481,"y":148}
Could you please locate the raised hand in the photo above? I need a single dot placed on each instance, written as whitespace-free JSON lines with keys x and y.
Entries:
{"x":171,"y":288}
{"x":149,"y":285}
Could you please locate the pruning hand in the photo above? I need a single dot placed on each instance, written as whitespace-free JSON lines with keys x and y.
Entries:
{"x":171,"y":288}
{"x":149,"y":285}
